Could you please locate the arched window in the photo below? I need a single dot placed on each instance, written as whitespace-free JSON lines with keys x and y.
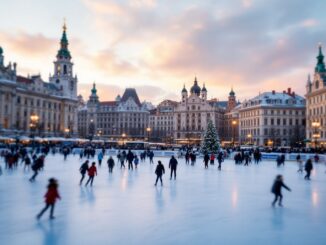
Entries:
{"x":64,"y":69}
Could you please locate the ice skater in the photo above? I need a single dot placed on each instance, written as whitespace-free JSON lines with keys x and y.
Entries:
{"x":159,"y":172}
{"x":36,"y":167}
{"x":50,"y":198}
{"x":110,"y":164}
{"x":130,"y":158}
{"x":206,"y":160}
{"x":220,"y":160}
{"x":173,"y":166}
{"x":100,"y":158}
{"x":136,"y":161}
{"x":308,"y":168}
{"x":92,"y":171}
{"x":83,"y":169}
{"x":277,"y":190}
{"x":300,"y":163}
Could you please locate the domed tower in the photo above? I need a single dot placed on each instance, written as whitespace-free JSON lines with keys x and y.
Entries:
{"x":320,"y":66}
{"x":232,"y":102}
{"x":204,"y":92}
{"x":63,"y":76}
{"x":184,"y":94}
{"x":195,"y":89}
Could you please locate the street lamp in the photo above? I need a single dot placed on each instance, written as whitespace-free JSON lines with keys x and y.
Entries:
{"x":249,"y":136}
{"x":123,"y":139}
{"x":33,"y":125}
{"x":67,"y":131}
{"x":148,"y":130}
{"x":315,"y":135}
{"x":234,"y":123}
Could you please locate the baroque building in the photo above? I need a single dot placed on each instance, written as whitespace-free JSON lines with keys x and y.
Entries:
{"x":192,"y":113}
{"x":30,"y":105}
{"x":316,"y":103}
{"x":124,"y":117}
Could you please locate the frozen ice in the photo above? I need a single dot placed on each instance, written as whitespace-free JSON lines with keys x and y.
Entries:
{"x":232,"y":206}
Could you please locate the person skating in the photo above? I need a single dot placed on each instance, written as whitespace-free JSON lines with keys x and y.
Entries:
{"x":92,"y":171}
{"x":206,"y":160}
{"x":220,"y":160}
{"x":159,"y":172}
{"x":27,"y":162}
{"x":173,"y":166}
{"x":110,"y":164}
{"x":277,"y":190}
{"x":39,"y":163}
{"x":300,"y":164}
{"x":50,"y":198}
{"x":308,"y":168}
{"x":151,"y":156}
{"x":100,"y":158}
{"x":136,"y":161}
{"x":130,"y":158}
{"x":212,"y":159}
{"x":83,"y":169}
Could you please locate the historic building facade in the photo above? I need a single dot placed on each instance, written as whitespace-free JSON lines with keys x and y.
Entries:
{"x":125,"y":117}
{"x":316,"y":103}
{"x":161,"y":122}
{"x":272,"y":118}
{"x":192,"y":114}
{"x":29,"y":105}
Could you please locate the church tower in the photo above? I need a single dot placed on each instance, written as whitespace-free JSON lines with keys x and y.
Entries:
{"x":63,"y":76}
{"x":232,"y":103}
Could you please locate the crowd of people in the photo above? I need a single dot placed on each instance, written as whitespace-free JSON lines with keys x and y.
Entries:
{"x":34,"y":160}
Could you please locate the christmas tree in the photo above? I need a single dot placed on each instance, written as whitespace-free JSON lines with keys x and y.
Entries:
{"x":210,"y":142}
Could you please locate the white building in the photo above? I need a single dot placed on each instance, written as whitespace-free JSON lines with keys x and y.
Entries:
{"x":192,"y":114}
{"x":272,"y":118}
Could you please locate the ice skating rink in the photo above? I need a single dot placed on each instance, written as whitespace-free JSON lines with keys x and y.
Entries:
{"x":232,"y":206}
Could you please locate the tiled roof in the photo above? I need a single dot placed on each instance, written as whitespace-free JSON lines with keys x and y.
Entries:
{"x":22,"y":79}
{"x":108,"y":103}
{"x":130,"y":93}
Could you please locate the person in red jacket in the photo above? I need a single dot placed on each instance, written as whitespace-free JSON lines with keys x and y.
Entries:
{"x":50,"y":198}
{"x":91,"y":173}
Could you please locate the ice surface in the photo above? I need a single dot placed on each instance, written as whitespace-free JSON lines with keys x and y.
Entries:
{"x":201,"y":207}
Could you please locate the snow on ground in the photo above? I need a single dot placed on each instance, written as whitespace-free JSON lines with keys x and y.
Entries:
{"x":201,"y":207}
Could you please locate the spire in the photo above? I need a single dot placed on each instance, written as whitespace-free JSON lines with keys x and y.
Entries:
{"x":195,"y":80}
{"x":309,"y":80}
{"x":204,"y":88}
{"x":232,"y":92}
{"x":320,"y":67}
{"x":184,"y":90}
{"x":94,"y":91}
{"x":63,"y":51}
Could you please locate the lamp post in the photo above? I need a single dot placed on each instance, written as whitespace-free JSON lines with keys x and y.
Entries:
{"x":33,"y":126}
{"x":234,"y":123}
{"x":123,"y":139}
{"x":67,"y":131}
{"x":249,"y":136}
{"x":315,"y":134}
{"x":148,"y":130}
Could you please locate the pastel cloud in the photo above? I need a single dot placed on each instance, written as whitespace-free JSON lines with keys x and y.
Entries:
{"x":249,"y":44}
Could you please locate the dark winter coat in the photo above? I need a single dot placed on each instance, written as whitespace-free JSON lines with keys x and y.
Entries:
{"x":308,"y":166}
{"x":110,"y":163}
{"x":83,"y":169}
{"x":160,"y":170}
{"x":277,"y":186}
{"x":173,"y":163}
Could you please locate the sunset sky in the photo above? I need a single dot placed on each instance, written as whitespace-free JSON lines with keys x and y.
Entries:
{"x":157,"y":46}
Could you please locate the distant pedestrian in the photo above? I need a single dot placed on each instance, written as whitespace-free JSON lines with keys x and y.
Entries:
{"x":50,"y":198}
{"x":92,"y":171}
{"x":83,"y":169}
{"x":136,"y":161}
{"x":159,"y":172}
{"x":100,"y":158}
{"x":276,"y":190}
{"x":130,"y":158}
{"x":308,"y":168}
{"x":206,"y":160}
{"x":110,"y":164}
{"x":173,"y":166}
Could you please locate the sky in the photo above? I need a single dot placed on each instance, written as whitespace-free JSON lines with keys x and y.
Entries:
{"x":158,"y":46}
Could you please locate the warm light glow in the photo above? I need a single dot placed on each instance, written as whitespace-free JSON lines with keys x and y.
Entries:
{"x":315,"y":124}
{"x":148,"y":129}
{"x":67,"y":130}
{"x":34,"y":117}
{"x":234,"y":122}
{"x":314,"y":198}
{"x":249,"y":136}
{"x":123,"y":135}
